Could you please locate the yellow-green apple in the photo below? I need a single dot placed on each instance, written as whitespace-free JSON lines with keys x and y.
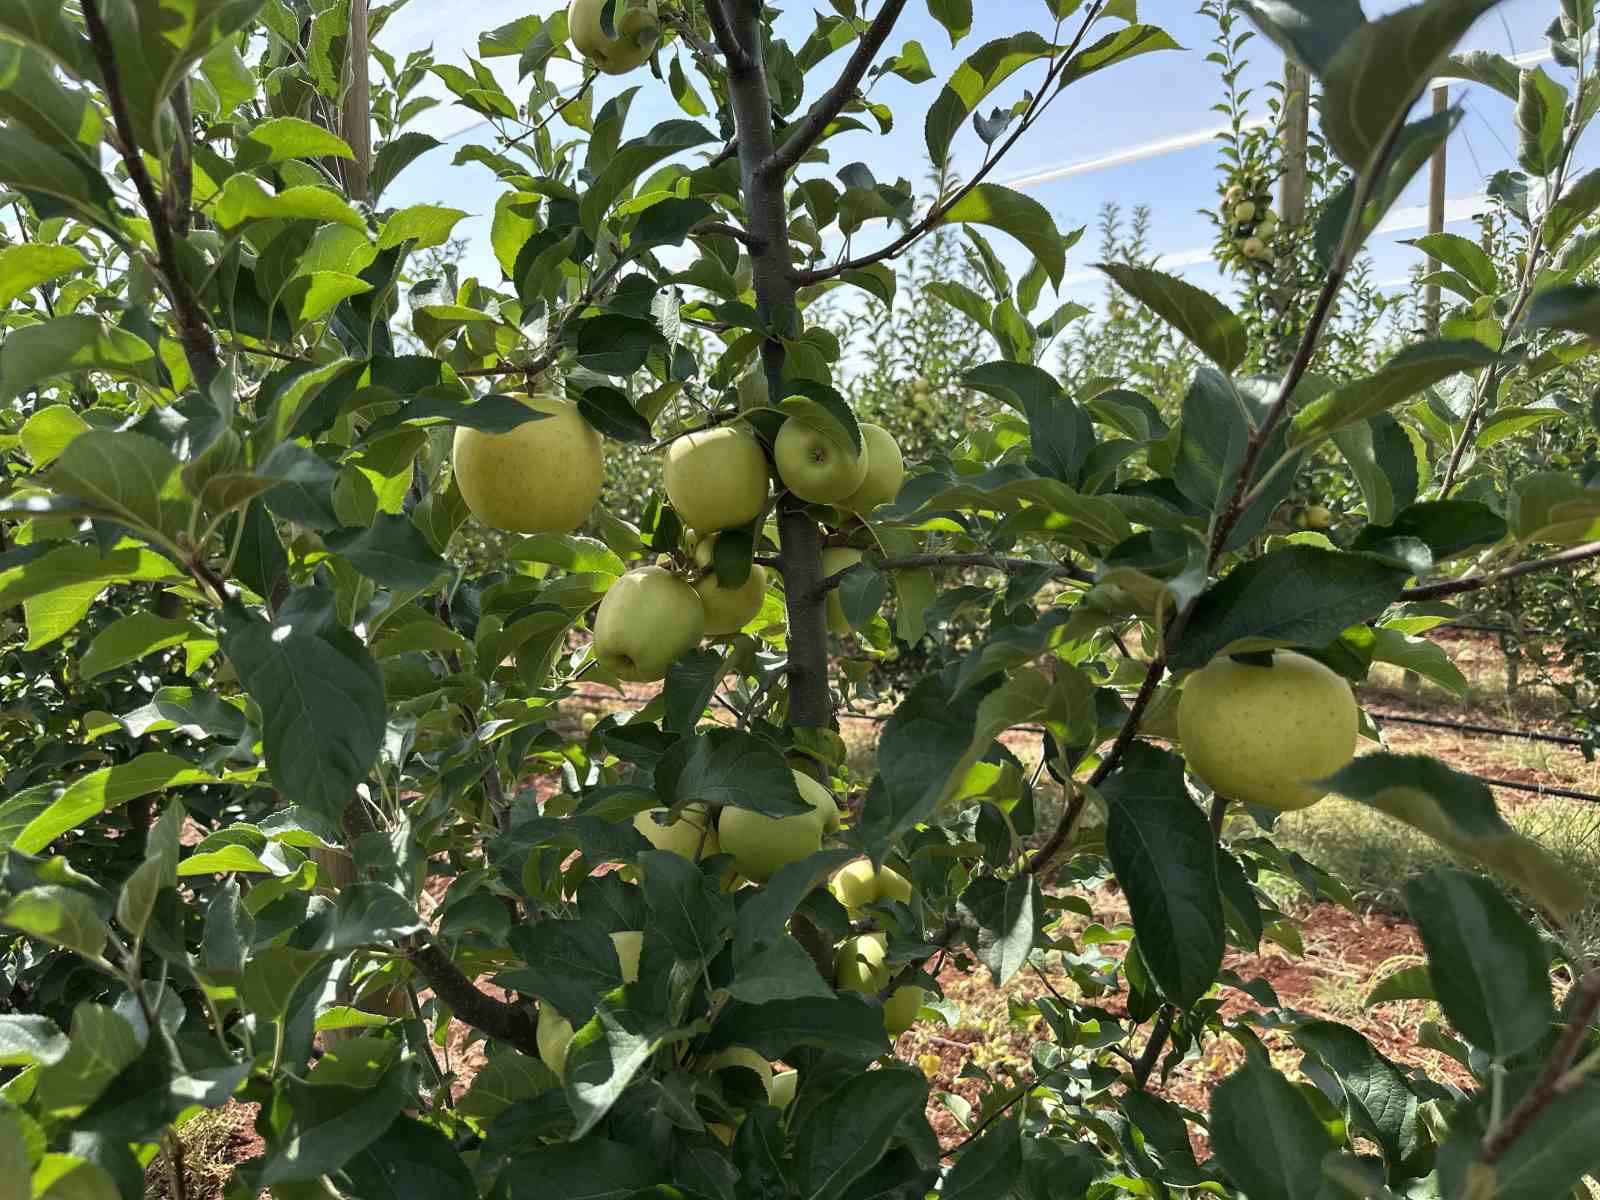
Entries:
{"x":856,"y":885}
{"x":541,"y":477}
{"x":629,"y":944}
{"x":1266,"y":734}
{"x":1244,"y":211}
{"x":553,"y":1035}
{"x":860,"y":966}
{"x":784,"y":1086}
{"x":716,"y":478}
{"x":638,"y":29}
{"x":760,"y":845}
{"x":1252,"y":247}
{"x":692,"y":831}
{"x":646,"y":622}
{"x":815,"y":467}
{"x":834,"y":560}
{"x":901,"y":1008}
{"x":886,"y":470}
{"x":729,"y":610}
{"x":742,"y":1056}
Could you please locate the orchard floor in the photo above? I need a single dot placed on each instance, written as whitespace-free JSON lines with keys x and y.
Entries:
{"x":1345,"y":951}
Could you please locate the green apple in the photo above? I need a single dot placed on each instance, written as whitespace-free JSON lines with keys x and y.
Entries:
{"x":638,"y":31}
{"x":541,"y":477}
{"x":629,"y":944}
{"x":901,"y":1008}
{"x":886,"y":470}
{"x":648,"y":620}
{"x":815,"y":467}
{"x":1318,"y":516}
{"x":760,"y":845}
{"x":860,"y":966}
{"x":1252,"y":247}
{"x":553,"y":1036}
{"x":729,"y":610}
{"x":834,"y":560}
{"x":1245,"y":211}
{"x":785,"y":1084}
{"x":690,"y":832}
{"x":1266,"y":734}
{"x":857,"y":885}
{"x":716,"y":478}
{"x":743,"y":1056}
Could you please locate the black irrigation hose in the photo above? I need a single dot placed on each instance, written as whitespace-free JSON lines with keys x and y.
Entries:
{"x":1559,"y":739}
{"x":1539,"y":789}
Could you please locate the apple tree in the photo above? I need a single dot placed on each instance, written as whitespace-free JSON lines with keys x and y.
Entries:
{"x":290,"y":794}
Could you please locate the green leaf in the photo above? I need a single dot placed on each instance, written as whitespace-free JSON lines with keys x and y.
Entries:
{"x":1381,"y":68}
{"x":612,"y":413}
{"x":605,"y":1056}
{"x":617,"y":344}
{"x":27,"y":1041}
{"x":843,"y":1137}
{"x":321,"y":697}
{"x":411,"y":1161}
{"x":1419,"y":655}
{"x":1008,"y":915}
{"x":395,"y":155}
{"x":424,"y":225}
{"x":1310,"y":31}
{"x":846,"y":1024}
{"x":68,"y":1177}
{"x":101,"y":791}
{"x":990,"y":1166}
{"x":691,"y":682}
{"x":328,"y":1124}
{"x":1378,"y":1102}
{"x":1214,"y":328}
{"x":984,"y":70}
{"x":782,"y":971}
{"x":1383,"y":459}
{"x":1509,"y":422}
{"x":1550,"y":1158}
{"x":1465,"y":257}
{"x":923,"y":745}
{"x":1485,"y":67}
{"x":130,"y":638}
{"x":1541,"y":113}
{"x":1549,"y":506}
{"x":1165,"y":859}
{"x":391,"y":551}
{"x":244,"y":199}
{"x":954,"y":15}
{"x":366,"y":914}
{"x":127,"y":477}
{"x":1407,"y":983}
{"x":25,"y":266}
{"x":55,"y":183}
{"x":1576,"y":205}
{"x":730,"y":767}
{"x":1023,"y":217}
{"x":49,"y":431}
{"x":102,"y":1044}
{"x":571,"y":964}
{"x":504,"y":1080}
{"x":1116,"y":47}
{"x":691,"y":911}
{"x":632,"y":161}
{"x":1489,"y":969}
{"x":598,"y":1169}
{"x":1298,"y":596}
{"x":1459,"y":811}
{"x":58,"y":915}
{"x":1574,"y":307}
{"x":1446,"y":527}
{"x":1416,"y":367}
{"x":15,"y":1165}
{"x":1266,"y":1135}
{"x":279,"y":139}
{"x":64,"y":345}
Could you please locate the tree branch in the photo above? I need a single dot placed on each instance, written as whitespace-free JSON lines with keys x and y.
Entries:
{"x":724,"y":229}
{"x":811,"y":127}
{"x":505,"y":1022}
{"x":722,"y":31}
{"x":1552,"y":1082}
{"x":999,"y":562}
{"x":199,"y":347}
{"x":1145,"y":1065}
{"x":1471,"y":583}
{"x":936,"y":215}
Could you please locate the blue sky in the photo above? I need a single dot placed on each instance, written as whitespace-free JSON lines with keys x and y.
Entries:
{"x":1149,"y":99}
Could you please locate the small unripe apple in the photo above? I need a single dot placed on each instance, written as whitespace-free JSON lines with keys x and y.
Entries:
{"x":1267,"y":225}
{"x":901,"y":1008}
{"x":760,"y":845}
{"x":1266,"y":734}
{"x":716,"y":478}
{"x":860,"y":966}
{"x":1245,"y":211}
{"x":638,"y":30}
{"x":834,"y":560}
{"x":1252,"y":247}
{"x":648,"y":620}
{"x":629,"y":944}
{"x":553,"y":1036}
{"x":886,"y":470}
{"x":784,"y":1086}
{"x":541,"y":477}
{"x":1318,"y":516}
{"x":691,"y":832}
{"x":729,"y":610}
{"x":857,"y":885}
{"x":815,"y":467}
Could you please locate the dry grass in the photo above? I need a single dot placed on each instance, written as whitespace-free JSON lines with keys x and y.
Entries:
{"x":211,"y":1142}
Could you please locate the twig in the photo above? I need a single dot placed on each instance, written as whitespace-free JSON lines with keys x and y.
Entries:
{"x":194,"y":333}
{"x":724,"y":229}
{"x":589,"y":77}
{"x":541,"y":364}
{"x":1552,"y":1081}
{"x":1145,"y":1065}
{"x":936,"y":216}
{"x":1471,"y":583}
{"x":811,"y":127}
{"x":997,"y":561}
{"x":721,"y":417}
{"x":177,"y":1166}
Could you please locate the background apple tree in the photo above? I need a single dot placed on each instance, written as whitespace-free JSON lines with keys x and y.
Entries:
{"x":287,"y":785}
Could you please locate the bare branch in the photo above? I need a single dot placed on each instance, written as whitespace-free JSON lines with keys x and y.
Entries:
{"x":1471,"y":583}
{"x":194,"y":333}
{"x":811,"y":127}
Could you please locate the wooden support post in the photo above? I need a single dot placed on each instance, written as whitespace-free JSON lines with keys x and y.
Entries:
{"x":1436,"y":191}
{"x":1292,"y":188}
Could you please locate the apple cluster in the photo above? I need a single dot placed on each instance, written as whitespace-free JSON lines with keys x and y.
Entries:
{"x":1251,"y":224}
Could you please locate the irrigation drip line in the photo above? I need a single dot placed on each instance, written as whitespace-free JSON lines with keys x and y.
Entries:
{"x":1532,"y":735}
{"x":1535,"y":788}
